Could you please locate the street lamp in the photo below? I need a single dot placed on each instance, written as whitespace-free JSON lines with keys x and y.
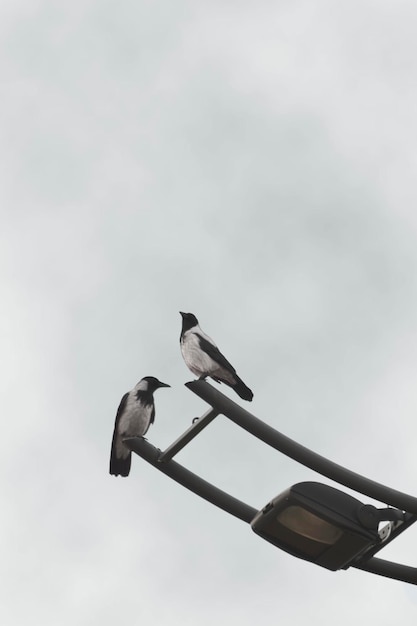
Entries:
{"x":321,"y":524}
{"x":312,"y":521}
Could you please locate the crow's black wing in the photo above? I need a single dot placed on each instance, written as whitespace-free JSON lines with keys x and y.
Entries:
{"x":116,"y":423}
{"x":215,"y":354}
{"x":119,"y":466}
{"x":120,"y":409}
{"x":152,"y":419}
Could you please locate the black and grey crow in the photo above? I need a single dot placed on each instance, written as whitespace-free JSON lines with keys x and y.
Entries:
{"x":203,"y":358}
{"x":135,"y":414}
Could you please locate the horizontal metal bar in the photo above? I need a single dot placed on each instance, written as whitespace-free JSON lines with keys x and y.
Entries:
{"x":191,"y":481}
{"x":299,"y":453}
{"x":188,"y":435}
{"x":388,"y":569}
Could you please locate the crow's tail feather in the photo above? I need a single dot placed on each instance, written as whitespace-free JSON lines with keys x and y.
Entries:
{"x":120,"y":466}
{"x":242,"y":390}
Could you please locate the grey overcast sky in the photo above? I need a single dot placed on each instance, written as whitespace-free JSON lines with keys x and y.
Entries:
{"x":251,"y":162}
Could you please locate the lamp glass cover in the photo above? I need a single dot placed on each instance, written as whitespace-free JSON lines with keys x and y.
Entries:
{"x":308,"y":525}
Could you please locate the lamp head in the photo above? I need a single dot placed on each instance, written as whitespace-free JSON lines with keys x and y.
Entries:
{"x":318,"y":523}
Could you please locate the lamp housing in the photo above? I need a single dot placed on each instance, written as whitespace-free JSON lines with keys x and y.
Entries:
{"x":320,"y":524}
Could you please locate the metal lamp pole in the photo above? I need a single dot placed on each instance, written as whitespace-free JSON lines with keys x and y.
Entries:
{"x":221,"y":404}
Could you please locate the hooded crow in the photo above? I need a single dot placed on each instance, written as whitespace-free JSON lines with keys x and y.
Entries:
{"x":135,"y":414}
{"x":203,"y":358}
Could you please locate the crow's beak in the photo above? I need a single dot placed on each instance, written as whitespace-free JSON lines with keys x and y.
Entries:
{"x":163,"y":384}
{"x":182,"y":314}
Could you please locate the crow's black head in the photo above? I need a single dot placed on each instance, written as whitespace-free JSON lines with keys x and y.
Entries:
{"x":189,"y":320}
{"x":153,"y":383}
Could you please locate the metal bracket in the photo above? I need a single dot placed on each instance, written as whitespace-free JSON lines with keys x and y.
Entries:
{"x":196,"y":427}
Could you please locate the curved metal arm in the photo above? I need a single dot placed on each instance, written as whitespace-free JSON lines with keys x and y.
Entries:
{"x":299,"y":453}
{"x":390,"y":570}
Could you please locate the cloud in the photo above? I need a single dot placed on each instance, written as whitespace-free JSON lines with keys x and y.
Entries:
{"x":252,"y":165}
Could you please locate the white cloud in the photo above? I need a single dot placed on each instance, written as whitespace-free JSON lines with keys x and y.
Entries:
{"x":253,"y":165}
